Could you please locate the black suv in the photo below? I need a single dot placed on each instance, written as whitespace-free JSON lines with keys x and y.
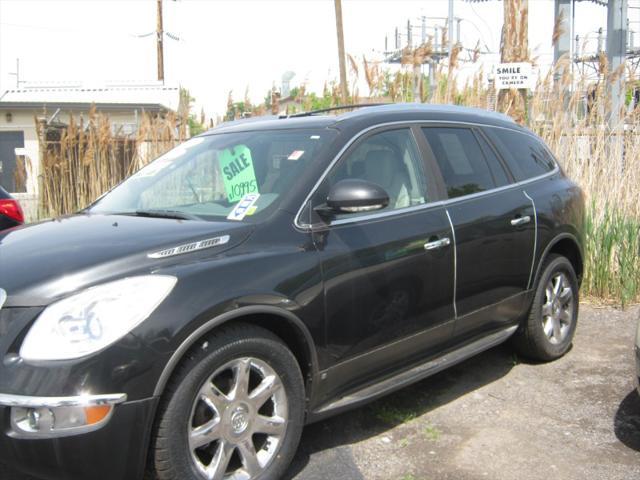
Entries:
{"x":270,"y":273}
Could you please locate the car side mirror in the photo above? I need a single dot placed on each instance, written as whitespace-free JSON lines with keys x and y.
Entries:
{"x":355,"y":195}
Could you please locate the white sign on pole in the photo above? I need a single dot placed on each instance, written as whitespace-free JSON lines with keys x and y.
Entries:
{"x":513,"y":75}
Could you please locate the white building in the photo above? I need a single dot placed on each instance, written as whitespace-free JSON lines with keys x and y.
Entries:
{"x":20,"y":109}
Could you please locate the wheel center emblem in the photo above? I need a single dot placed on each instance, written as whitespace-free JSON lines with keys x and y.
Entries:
{"x":239,"y":421}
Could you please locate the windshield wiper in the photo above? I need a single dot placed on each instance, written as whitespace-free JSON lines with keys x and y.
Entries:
{"x":163,"y":214}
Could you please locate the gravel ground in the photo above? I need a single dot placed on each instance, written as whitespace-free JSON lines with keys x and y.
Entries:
{"x":497,"y":417}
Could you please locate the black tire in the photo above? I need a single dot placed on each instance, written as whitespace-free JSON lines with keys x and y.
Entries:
{"x":170,"y":455}
{"x":530,"y":340}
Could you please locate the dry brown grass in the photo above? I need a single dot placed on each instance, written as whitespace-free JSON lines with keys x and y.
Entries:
{"x":86,"y":159}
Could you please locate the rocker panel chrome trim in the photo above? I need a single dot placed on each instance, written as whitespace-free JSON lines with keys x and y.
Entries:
{"x":419,"y":372}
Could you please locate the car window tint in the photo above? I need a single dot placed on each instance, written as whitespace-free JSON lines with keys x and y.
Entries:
{"x":495,"y":165}
{"x":390,"y":159}
{"x":527,"y":156}
{"x":461,"y":160}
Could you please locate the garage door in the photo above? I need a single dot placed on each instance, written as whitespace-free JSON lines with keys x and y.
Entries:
{"x":9,"y":141}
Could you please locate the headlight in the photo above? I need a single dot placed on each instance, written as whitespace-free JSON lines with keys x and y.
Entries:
{"x":89,"y":321}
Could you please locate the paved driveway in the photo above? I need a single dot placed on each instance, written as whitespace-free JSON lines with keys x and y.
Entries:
{"x":496,"y":417}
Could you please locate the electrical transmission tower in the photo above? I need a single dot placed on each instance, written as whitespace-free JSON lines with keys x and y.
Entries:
{"x":432,"y":31}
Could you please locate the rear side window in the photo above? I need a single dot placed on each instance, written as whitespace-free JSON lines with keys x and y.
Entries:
{"x":462,"y":161}
{"x":527,"y":156}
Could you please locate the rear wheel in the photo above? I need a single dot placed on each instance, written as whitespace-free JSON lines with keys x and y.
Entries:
{"x":548,"y":331}
{"x":233,"y":411}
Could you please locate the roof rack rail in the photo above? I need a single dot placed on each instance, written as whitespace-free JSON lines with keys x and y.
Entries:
{"x":332,"y":109}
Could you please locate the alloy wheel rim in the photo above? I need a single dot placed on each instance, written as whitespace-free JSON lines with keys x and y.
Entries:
{"x":238,"y":420}
{"x":558,"y":308}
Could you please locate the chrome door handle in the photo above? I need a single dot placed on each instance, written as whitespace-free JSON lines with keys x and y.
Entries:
{"x":436,"y":244}
{"x":520,"y":221}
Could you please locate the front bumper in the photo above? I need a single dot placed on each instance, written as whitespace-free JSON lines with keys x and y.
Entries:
{"x":115,"y":451}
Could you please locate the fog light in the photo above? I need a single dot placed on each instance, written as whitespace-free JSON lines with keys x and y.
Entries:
{"x":49,"y":417}
{"x":33,"y":418}
{"x":58,"y":420}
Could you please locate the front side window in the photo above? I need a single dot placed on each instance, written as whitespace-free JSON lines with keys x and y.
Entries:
{"x":390,"y":159}
{"x":206,"y":177}
{"x":461,"y":160}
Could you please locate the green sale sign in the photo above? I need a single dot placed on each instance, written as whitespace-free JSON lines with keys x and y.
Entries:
{"x":238,"y":173}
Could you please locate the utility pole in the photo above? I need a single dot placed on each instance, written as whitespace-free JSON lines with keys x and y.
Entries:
{"x":616,"y":52}
{"x":563,"y":21}
{"x":17,"y":73}
{"x":160,"y":39}
{"x":563,"y":17}
{"x":341,"y":54}
{"x":450,"y":31}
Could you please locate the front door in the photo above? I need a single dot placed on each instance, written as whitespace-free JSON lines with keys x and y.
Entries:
{"x":388,"y":275}
{"x":9,"y":141}
{"x":494,"y":230}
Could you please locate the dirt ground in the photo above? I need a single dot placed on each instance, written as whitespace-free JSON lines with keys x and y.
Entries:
{"x":497,"y":417}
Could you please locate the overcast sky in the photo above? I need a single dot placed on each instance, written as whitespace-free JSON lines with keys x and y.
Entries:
{"x":234,"y":44}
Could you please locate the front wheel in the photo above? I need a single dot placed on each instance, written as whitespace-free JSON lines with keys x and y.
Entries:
{"x":234,"y":410}
{"x":547,"y":333}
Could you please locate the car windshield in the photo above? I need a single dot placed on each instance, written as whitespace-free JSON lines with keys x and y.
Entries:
{"x":235,"y":176}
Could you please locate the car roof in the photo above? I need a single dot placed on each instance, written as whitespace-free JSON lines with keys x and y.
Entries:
{"x":370,"y":115}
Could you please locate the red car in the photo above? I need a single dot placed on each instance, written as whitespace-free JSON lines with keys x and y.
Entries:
{"x":10,"y":211}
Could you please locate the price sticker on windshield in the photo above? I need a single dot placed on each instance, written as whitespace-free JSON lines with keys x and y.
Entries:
{"x":238,"y":174}
{"x":244,"y":206}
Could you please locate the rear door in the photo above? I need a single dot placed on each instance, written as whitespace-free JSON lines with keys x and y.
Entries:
{"x":494,"y":224}
{"x":387,"y":275}
{"x":9,"y":141}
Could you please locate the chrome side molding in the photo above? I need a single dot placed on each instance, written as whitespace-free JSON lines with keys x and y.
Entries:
{"x":419,"y":372}
{"x":7,"y":400}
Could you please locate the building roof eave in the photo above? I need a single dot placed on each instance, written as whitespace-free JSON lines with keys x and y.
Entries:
{"x":83,"y":106}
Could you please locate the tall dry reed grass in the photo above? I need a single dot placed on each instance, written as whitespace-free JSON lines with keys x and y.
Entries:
{"x":87,"y":158}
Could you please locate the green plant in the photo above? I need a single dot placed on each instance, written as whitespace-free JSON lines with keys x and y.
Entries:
{"x":394,"y":415}
{"x":613,"y":246}
{"x":431,"y":433}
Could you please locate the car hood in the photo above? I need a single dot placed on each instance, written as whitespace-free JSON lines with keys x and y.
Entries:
{"x":42,"y":262}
